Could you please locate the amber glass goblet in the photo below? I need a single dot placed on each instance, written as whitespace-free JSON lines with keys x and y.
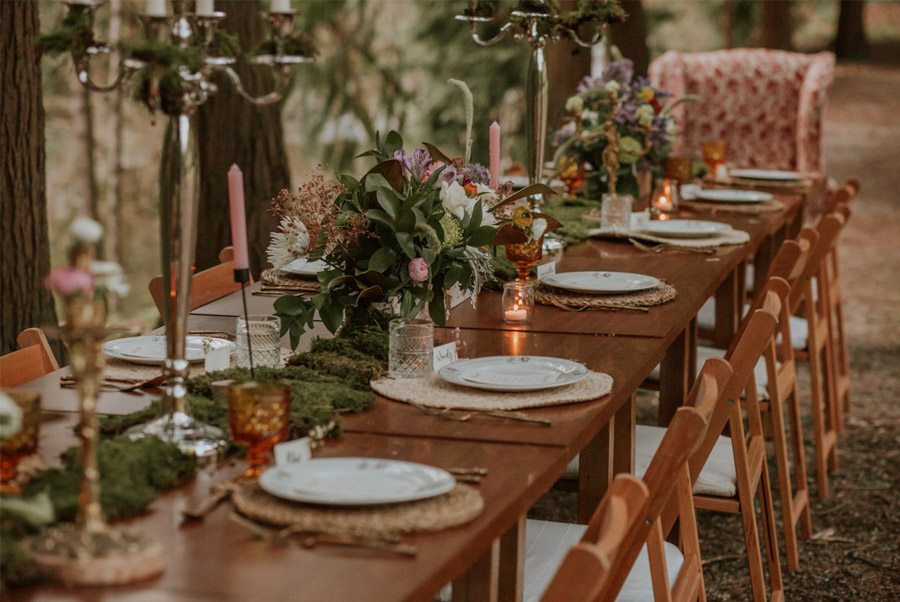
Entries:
{"x":714,"y":152}
{"x":24,"y":442}
{"x":525,"y":255}
{"x":259,"y":417}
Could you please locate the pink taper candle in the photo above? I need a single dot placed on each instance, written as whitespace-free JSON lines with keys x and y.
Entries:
{"x":495,"y":155}
{"x":238,"y":218}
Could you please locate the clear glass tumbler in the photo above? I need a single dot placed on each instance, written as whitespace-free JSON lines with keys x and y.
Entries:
{"x":262,"y":336}
{"x":615,"y":211}
{"x":410,"y":348}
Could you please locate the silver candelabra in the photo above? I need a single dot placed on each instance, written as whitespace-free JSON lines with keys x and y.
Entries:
{"x":179,"y":172}
{"x":537,"y":23}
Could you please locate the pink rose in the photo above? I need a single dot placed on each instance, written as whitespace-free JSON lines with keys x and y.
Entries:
{"x":418,"y":270}
{"x":69,"y":281}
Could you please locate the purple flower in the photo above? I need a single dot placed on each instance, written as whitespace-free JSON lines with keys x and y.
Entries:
{"x":418,"y":270}
{"x":69,"y":281}
{"x":417,"y":163}
{"x":622,"y":71}
{"x":475,"y":173}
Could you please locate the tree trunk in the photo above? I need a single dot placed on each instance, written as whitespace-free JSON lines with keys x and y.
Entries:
{"x":775,"y":31}
{"x":24,"y":243}
{"x":89,"y":140}
{"x":116,"y":225}
{"x":567,"y":64}
{"x":850,"y":41}
{"x":631,"y":36}
{"x":231,"y":130}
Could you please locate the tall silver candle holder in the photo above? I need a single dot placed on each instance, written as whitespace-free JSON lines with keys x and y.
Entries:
{"x":538,"y":23}
{"x":179,"y":169}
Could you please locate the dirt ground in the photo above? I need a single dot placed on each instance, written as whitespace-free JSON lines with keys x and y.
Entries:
{"x":855,"y":550}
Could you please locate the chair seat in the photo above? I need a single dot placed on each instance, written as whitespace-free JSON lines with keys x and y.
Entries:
{"x":718,"y":477}
{"x":704,"y":353}
{"x":547,"y":543}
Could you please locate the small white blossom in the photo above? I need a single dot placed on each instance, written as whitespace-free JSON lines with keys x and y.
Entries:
{"x":109,"y":274}
{"x":588,"y":117}
{"x":86,"y":230}
{"x":455,"y":200}
{"x":10,"y":417}
{"x":289,"y":243}
{"x":538,"y":227}
{"x":612,"y":86}
{"x":575,"y":104}
{"x":645,"y":114}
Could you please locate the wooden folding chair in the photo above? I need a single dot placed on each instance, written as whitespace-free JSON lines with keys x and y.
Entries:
{"x":812,"y":296}
{"x":32,"y":360}
{"x":206,"y":286}
{"x":730,"y":473}
{"x":607,"y":563}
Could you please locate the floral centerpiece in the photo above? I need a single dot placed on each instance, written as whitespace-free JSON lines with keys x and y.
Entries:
{"x":415,"y":225}
{"x":619,"y":110}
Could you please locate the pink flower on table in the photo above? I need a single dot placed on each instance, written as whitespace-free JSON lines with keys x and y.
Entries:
{"x":418,"y":270}
{"x":69,"y":281}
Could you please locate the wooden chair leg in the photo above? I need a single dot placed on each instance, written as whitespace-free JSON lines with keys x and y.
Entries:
{"x":767,"y":518}
{"x":800,"y":472}
{"x":817,"y":406}
{"x":754,"y":555}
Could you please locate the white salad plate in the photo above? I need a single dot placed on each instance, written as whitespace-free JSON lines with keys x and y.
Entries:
{"x":764,"y":174}
{"x":685,"y":228}
{"x":151,"y":350}
{"x":513,"y":373}
{"x":305,"y":267}
{"x":355,"y":481}
{"x":601,"y":282}
{"x":726,"y":195}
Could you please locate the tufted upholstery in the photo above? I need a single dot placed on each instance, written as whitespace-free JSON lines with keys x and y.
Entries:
{"x":767,"y":104}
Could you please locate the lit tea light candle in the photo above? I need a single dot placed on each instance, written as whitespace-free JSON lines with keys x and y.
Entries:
{"x":518,"y":302}
{"x":665,"y":199}
{"x":516,"y":314}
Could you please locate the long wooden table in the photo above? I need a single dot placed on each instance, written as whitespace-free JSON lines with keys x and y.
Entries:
{"x":218,"y":559}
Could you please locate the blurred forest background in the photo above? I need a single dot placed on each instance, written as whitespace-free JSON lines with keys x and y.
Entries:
{"x":381,"y":64}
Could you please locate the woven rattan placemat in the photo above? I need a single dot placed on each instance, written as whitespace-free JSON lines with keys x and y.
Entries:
{"x":745,"y":208}
{"x":435,"y":392}
{"x":731,"y":237}
{"x":640,"y":301}
{"x":457,"y":507}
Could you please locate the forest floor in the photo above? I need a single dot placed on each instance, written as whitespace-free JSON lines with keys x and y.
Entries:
{"x":855,"y":550}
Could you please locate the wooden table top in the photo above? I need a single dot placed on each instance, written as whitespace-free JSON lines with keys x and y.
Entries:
{"x":218,"y":559}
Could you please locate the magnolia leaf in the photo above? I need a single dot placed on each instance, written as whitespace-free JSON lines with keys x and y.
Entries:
{"x":369,"y":295}
{"x":379,"y":216}
{"x":405,"y":240}
{"x":371,"y":278}
{"x":436,"y":308}
{"x":437,"y":154}
{"x":530,"y":190}
{"x":393,"y":142}
{"x":382,"y":259}
{"x":290,"y":305}
{"x":391,"y":170}
{"x":483,"y":235}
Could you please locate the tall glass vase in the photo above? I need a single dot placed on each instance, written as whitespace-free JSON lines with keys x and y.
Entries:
{"x":179,"y":202}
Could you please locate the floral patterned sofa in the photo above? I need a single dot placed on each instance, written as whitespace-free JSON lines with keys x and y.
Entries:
{"x":767,"y":104}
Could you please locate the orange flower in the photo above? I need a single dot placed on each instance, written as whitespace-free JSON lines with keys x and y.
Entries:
{"x":522,"y":217}
{"x":471,"y":190}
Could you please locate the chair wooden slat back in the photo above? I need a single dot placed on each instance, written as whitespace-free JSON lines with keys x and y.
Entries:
{"x":21,"y":366}
{"x":598,"y":566}
{"x":35,"y":336}
{"x":206,"y":286}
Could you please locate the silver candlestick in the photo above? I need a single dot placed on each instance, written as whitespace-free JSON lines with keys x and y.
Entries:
{"x":179,"y":180}
{"x":537,"y":23}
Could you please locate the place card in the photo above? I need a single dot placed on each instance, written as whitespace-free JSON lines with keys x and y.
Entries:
{"x":546,"y":269}
{"x":457,"y":295}
{"x":444,"y":355}
{"x":292,"y":452}
{"x":217,"y":359}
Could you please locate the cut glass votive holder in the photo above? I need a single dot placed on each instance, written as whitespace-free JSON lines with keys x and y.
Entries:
{"x":410,"y":348}
{"x":261,"y":336}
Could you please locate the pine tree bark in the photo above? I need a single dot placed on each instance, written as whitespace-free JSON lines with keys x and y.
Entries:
{"x":567,"y":64}
{"x":775,"y":29}
{"x":24,"y":243}
{"x":231,"y":130}
{"x":631,"y":36}
{"x":850,"y":41}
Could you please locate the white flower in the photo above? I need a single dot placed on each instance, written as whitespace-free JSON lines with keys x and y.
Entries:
{"x":645,"y":114}
{"x":575,"y":104}
{"x":110,"y":276}
{"x":10,"y":416}
{"x":86,"y":230}
{"x":455,"y":200}
{"x":588,"y":117}
{"x":538,"y":227}
{"x":487,"y":196}
{"x":612,"y":86}
{"x":671,"y":128}
{"x":290,"y":243}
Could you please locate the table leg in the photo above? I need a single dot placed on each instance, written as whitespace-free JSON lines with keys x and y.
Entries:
{"x":676,"y":373}
{"x":512,"y":563}
{"x":594,"y":472}
{"x":623,"y":437}
{"x":727,"y":310}
{"x":480,"y":583}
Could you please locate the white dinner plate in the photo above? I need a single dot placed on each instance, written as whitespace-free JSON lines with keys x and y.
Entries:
{"x":305,"y":267}
{"x":765,"y":174}
{"x":356,"y":481}
{"x":727,"y":195}
{"x":601,"y":282}
{"x":685,"y":228}
{"x":151,"y":350}
{"x":513,"y":373}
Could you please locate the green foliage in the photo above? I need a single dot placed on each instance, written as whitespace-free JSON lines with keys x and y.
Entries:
{"x":73,"y":33}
